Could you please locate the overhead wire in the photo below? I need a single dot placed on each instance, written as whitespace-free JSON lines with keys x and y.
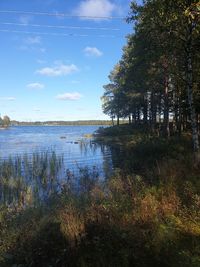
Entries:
{"x":56,"y":34}
{"x":60,"y":26}
{"x":60,"y":15}
{"x":57,"y":26}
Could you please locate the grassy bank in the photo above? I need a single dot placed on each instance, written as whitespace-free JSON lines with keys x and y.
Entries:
{"x":148,"y":155}
{"x":147,"y":217}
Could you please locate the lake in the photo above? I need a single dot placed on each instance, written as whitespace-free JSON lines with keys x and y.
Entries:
{"x":68,"y":141}
{"x":36,"y":161}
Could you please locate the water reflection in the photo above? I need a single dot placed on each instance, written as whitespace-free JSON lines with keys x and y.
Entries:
{"x":29,"y":179}
{"x":52,"y":159}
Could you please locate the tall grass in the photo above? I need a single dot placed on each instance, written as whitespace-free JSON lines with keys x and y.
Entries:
{"x":126,"y":220}
{"x":119,"y":222}
{"x":29,"y":180}
{"x":24,"y":180}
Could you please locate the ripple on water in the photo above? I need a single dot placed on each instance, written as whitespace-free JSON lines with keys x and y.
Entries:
{"x":36,"y":139}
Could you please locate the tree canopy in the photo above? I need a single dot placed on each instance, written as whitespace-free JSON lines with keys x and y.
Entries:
{"x":5,"y":121}
{"x":157,"y":80}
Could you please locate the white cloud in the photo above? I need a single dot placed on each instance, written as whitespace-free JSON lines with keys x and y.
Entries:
{"x":92,"y":51}
{"x":8,"y":98}
{"x":32,"y":43}
{"x":35,"y":86}
{"x":59,"y":70}
{"x":95,"y":8}
{"x":69,"y":96}
{"x":33,"y":40}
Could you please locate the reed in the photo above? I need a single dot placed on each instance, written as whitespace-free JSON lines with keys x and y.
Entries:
{"x":30,"y":180}
{"x":27,"y":179}
{"x":125,"y":220}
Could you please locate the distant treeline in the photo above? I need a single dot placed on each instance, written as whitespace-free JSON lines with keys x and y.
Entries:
{"x":61,"y":123}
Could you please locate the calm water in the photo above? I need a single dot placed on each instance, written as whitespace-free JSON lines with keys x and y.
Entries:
{"x":37,"y":162}
{"x":68,"y":141}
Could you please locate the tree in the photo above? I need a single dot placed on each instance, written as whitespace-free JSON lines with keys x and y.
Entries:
{"x":114,"y":97}
{"x":157,"y":81}
{"x":6,"y":121}
{"x":1,"y":122}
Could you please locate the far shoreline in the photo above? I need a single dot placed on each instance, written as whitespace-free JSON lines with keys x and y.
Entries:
{"x":66,"y":123}
{"x":58,"y":125}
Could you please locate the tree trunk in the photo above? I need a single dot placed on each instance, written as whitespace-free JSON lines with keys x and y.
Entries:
{"x":189,"y":78}
{"x":134,"y":116}
{"x":145,"y":110}
{"x":166,"y":108}
{"x":129,"y":119}
{"x":138,"y":114}
{"x":113,"y":122}
{"x":117,"y":120}
{"x":153,"y":113}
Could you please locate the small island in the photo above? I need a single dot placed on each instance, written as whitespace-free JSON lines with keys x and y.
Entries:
{"x":4,"y":122}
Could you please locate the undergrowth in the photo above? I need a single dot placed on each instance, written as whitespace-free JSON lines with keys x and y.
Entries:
{"x":126,"y":220}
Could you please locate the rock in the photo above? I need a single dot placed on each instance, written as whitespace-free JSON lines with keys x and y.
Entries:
{"x":88,"y":135}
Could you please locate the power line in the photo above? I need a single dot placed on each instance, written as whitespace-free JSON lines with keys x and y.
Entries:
{"x":56,"y":34}
{"x":59,"y":15}
{"x":60,"y":26}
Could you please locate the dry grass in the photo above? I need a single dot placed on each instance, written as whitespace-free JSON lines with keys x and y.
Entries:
{"x":127,"y":220}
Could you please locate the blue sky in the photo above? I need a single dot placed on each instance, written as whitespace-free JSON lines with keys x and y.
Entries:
{"x":54,"y":67}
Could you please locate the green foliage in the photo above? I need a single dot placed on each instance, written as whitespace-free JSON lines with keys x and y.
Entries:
{"x":28,"y":179}
{"x":156,"y":82}
{"x":5,"y":122}
{"x":125,"y":220}
{"x":135,"y":150}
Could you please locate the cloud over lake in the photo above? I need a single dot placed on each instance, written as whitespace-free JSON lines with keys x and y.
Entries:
{"x":69,"y":96}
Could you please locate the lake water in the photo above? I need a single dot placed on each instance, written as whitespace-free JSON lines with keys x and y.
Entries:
{"x":68,"y":141}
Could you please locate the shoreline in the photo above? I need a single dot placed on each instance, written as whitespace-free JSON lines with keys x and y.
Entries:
{"x":58,"y":125}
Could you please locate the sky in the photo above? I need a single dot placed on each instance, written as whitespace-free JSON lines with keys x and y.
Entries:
{"x":53,"y":67}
